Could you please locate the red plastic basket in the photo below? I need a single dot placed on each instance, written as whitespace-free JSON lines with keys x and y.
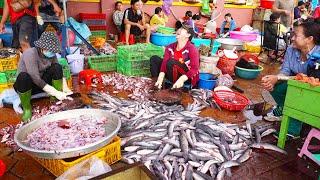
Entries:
{"x":97,"y":28}
{"x":267,"y":4}
{"x":232,"y":101}
{"x":84,"y":16}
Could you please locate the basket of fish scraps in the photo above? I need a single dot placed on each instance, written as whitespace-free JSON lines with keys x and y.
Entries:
{"x":232,"y":101}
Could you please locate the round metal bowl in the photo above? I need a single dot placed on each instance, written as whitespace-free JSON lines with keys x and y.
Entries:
{"x":112,"y":129}
{"x":229,"y":44}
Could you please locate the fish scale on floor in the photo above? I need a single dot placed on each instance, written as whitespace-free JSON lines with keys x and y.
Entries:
{"x":176,"y":143}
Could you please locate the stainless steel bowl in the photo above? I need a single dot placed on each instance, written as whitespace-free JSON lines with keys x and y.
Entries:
{"x":112,"y":129}
{"x":229,"y":44}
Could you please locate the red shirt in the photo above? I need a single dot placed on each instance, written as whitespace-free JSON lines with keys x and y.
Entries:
{"x":14,"y":16}
{"x":190,"y":57}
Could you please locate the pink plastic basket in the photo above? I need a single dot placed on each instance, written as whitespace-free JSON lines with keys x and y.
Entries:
{"x":244,"y":36}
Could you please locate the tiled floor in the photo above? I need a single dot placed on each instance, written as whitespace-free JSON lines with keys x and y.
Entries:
{"x":263,"y":164}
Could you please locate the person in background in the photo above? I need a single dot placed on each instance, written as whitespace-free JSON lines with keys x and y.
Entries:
{"x":158,"y":19}
{"x":305,"y":42}
{"x":195,"y":19}
{"x":118,"y":15}
{"x":298,"y":10}
{"x":24,"y":23}
{"x":285,"y":8}
{"x":134,"y":22}
{"x":51,"y":14}
{"x":186,"y":20}
{"x":228,"y":25}
{"x":38,"y":70}
{"x":180,"y":62}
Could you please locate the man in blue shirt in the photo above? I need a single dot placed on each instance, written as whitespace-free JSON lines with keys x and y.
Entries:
{"x":305,"y":42}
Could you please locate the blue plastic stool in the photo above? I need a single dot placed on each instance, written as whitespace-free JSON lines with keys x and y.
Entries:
{"x":186,"y":85}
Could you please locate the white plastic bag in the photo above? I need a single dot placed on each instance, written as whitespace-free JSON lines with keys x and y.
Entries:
{"x":10,"y":96}
{"x":86,"y":169}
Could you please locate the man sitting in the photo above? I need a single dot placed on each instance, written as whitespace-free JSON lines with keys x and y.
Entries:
{"x":134,"y":22}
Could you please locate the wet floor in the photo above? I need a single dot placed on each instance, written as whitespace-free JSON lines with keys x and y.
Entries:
{"x":262,"y":165}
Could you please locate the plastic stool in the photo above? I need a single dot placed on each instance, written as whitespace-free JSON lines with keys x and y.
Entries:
{"x":2,"y":168}
{"x":186,"y":85}
{"x":89,"y":76}
{"x":304,"y":151}
{"x":123,"y":38}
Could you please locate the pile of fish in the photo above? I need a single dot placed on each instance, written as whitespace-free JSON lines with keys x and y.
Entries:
{"x":7,"y":136}
{"x":106,"y":49}
{"x":175,"y":143}
{"x":64,"y":134}
{"x":139,"y":87}
{"x":202,"y":98}
{"x":64,"y":105}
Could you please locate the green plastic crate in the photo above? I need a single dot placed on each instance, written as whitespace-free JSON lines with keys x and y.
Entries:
{"x":134,"y":52}
{"x":133,"y":64}
{"x":65,"y":68}
{"x":97,"y":34}
{"x":3,"y":78}
{"x":103,"y":63}
{"x":11,"y":76}
{"x":139,"y":52}
{"x":301,"y":95}
{"x":165,"y":30}
{"x":135,"y":72}
{"x":154,"y":50}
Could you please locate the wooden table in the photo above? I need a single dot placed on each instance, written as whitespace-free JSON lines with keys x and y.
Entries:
{"x":303,"y":104}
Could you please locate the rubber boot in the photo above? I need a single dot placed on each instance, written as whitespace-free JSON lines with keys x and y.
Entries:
{"x":57,"y":84}
{"x":25,"y":99}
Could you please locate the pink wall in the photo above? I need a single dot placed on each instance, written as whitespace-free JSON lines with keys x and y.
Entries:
{"x":241,"y":16}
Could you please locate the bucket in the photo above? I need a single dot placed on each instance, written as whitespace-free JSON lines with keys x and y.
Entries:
{"x":76,"y":62}
{"x":208,"y":64}
{"x":206,"y":81}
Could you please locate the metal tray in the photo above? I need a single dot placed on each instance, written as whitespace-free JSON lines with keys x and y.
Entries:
{"x":111,"y":128}
{"x":228,"y":43}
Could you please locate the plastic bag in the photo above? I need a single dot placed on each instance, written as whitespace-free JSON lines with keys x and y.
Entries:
{"x":10,"y":96}
{"x":81,"y":28}
{"x":225,"y":80}
{"x":86,"y":169}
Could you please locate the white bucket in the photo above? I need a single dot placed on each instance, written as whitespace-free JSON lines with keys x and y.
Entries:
{"x":208,"y":64}
{"x":76,"y":62}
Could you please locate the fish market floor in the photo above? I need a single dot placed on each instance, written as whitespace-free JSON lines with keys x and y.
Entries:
{"x":263,"y":164}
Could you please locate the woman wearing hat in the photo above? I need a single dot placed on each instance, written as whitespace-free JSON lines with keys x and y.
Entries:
{"x":38,"y":70}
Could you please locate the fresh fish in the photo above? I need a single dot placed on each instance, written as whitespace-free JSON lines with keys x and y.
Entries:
{"x":184,"y":144}
{"x":267,"y":147}
{"x":257,"y":134}
{"x":228,"y":164}
{"x":245,"y":156}
{"x":267,"y":132}
{"x":169,"y":168}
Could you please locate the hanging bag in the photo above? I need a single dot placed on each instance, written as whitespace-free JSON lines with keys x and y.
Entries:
{"x":20,"y":5}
